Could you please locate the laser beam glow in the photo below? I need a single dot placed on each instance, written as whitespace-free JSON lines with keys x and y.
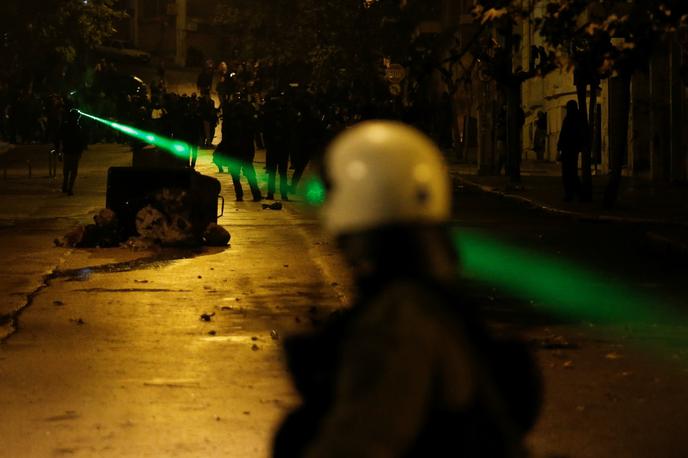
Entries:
{"x":176,"y":147}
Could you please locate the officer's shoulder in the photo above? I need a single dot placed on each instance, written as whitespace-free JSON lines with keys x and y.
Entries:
{"x":410,"y":300}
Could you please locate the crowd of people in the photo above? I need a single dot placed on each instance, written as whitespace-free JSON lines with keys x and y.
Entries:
{"x":251,"y":104}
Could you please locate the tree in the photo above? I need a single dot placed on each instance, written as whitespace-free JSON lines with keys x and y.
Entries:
{"x":325,"y":40}
{"x":498,"y":18}
{"x":609,"y":40}
{"x":42,"y":35}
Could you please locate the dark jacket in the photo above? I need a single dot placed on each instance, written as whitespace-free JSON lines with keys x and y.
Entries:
{"x":239,"y":126}
{"x":409,"y":371}
{"x":573,"y":135}
{"x":71,"y":137}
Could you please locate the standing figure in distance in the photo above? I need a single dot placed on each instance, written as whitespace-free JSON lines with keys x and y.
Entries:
{"x":71,"y":141}
{"x":571,"y":143}
{"x":239,"y":126}
{"x":540,"y":136}
{"x":277,"y":124}
{"x":411,"y":370}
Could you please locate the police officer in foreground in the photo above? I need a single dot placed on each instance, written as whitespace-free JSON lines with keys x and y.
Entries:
{"x":410,"y":370}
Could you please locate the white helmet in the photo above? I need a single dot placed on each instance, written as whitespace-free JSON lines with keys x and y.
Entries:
{"x":382,"y":173}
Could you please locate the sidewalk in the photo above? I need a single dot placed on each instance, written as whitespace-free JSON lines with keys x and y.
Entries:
{"x":662,"y":208}
{"x":5,"y":147}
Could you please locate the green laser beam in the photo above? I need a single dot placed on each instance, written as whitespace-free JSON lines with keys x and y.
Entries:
{"x":176,"y":147}
{"x":313,"y":189}
{"x":563,"y":288}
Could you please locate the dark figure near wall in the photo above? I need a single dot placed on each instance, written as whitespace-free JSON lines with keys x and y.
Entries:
{"x":71,"y":140}
{"x":540,"y":136}
{"x":571,"y":143}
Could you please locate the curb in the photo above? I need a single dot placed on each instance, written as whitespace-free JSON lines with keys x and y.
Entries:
{"x":582,"y":216}
{"x":676,"y":246}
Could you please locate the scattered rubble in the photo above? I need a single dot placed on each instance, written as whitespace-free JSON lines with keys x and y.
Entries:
{"x":613,"y":355}
{"x":273,"y":206}
{"x":216,"y":235}
{"x":207,"y":316}
{"x":167,"y":229}
{"x":104,"y":233}
{"x":78,"y":321}
{"x":165,"y":221}
{"x":555,"y":343}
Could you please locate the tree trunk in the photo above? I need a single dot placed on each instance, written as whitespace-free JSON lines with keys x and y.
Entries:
{"x":586,"y":174}
{"x":618,"y":139}
{"x":513,"y":133}
{"x":586,"y":178}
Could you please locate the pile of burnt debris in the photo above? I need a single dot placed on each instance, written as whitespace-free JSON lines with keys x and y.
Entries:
{"x":167,"y":219}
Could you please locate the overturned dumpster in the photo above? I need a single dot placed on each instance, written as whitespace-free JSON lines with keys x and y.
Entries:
{"x":174,"y":206}
{"x":154,"y":206}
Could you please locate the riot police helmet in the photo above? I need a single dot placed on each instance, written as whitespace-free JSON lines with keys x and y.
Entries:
{"x":384,"y":173}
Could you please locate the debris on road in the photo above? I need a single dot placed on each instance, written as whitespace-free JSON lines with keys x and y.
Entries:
{"x":168,"y":229}
{"x":212,"y":332}
{"x":207,"y":316}
{"x":58,"y":303}
{"x":78,"y":321}
{"x":167,"y":220}
{"x":273,"y":206}
{"x":274,"y":335}
{"x":104,"y":233}
{"x":216,"y":235}
{"x":255,"y":347}
{"x":555,"y":343}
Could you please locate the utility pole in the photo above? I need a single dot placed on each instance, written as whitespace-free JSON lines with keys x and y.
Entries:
{"x":180,"y":56}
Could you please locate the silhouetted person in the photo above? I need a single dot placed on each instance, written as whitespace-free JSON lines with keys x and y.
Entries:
{"x":239,"y":127}
{"x":308,"y":135}
{"x":71,"y":140}
{"x":204,"y":82}
{"x":277,"y":124}
{"x":410,"y":370}
{"x":540,"y":136}
{"x":571,"y":143}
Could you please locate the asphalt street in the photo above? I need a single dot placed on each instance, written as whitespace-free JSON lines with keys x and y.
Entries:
{"x":111,"y":354}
